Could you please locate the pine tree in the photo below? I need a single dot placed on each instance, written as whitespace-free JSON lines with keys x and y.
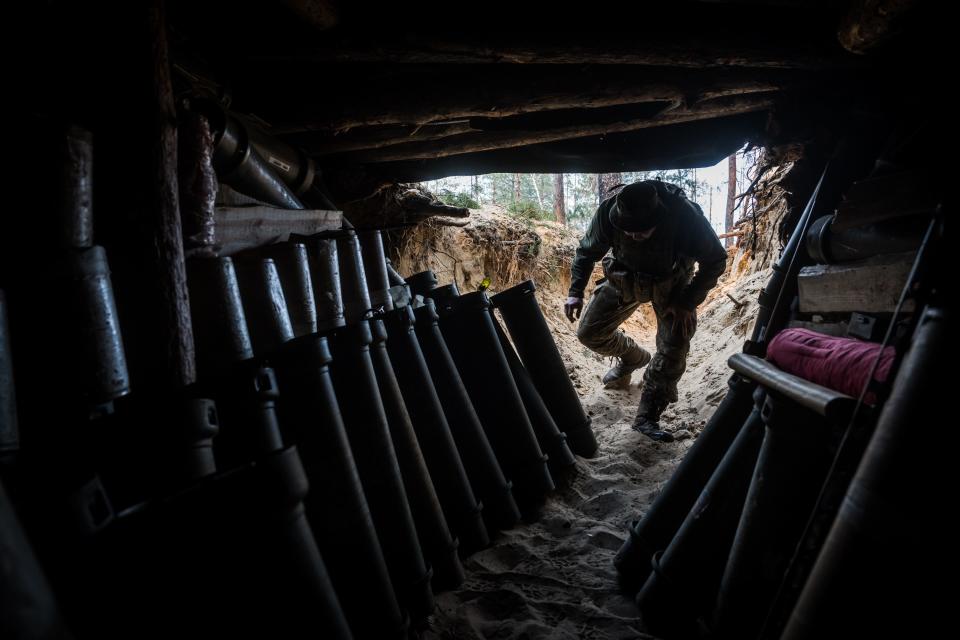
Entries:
{"x":558,"y":203}
{"x":731,"y":195}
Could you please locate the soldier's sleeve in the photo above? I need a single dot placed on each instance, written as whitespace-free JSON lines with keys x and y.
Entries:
{"x":703,"y":245}
{"x":593,"y":246}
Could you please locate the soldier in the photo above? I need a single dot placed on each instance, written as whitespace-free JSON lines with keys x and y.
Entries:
{"x":656,"y":235}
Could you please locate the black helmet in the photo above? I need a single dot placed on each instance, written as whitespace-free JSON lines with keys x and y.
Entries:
{"x":637,"y":207}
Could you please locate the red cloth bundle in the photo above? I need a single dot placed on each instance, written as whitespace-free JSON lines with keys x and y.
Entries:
{"x":841,"y":364}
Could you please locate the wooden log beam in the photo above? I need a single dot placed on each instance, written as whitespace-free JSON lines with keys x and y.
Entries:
{"x":323,"y":143}
{"x":366,"y":138}
{"x":137,"y":194}
{"x":425,"y":96}
{"x":479,"y":141}
{"x":419,"y":203}
{"x":555,"y":118}
{"x":651,"y":52}
{"x":375,"y":137}
{"x":161,"y":232}
{"x":499,"y":131}
{"x":399,"y":203}
{"x":198,"y":183}
{"x":700,"y":143}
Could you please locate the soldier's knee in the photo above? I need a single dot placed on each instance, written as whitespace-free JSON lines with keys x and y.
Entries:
{"x":676,"y":345}
{"x":587,"y":335}
{"x":595,"y":339}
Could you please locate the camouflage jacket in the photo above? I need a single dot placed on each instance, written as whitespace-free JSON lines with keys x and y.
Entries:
{"x":683,"y":237}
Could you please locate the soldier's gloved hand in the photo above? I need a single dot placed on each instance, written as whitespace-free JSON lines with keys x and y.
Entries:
{"x":682,"y":321}
{"x":573,"y":307}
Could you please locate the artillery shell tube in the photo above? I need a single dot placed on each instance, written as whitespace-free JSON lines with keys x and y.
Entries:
{"x":792,"y":467}
{"x":686,"y":575}
{"x":336,"y":505}
{"x":654,"y":531}
{"x":468,"y":330}
{"x":552,"y":440}
{"x":486,"y":476}
{"x":325,"y":278}
{"x":219,"y":324}
{"x":101,"y":367}
{"x":293,"y":266}
{"x":363,"y":414}
{"x":432,"y":529}
{"x":539,"y":354}
{"x":460,"y":507}
{"x":422,"y":283}
{"x":375,"y":269}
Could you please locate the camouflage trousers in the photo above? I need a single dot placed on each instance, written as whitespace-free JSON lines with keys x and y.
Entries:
{"x":612,"y":303}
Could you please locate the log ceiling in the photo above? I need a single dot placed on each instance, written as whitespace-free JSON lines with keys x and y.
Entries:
{"x":411,"y":91}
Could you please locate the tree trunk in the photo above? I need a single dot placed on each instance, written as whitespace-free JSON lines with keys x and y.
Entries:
{"x":558,"y":204}
{"x":516,"y":188}
{"x":536,"y":189}
{"x":573,"y":194}
{"x":731,"y":196}
{"x":605,"y":184}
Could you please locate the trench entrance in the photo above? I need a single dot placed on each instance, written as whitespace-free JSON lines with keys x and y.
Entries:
{"x":554,"y":577}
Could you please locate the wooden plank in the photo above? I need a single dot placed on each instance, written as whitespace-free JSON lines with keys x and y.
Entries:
{"x":239,"y":228}
{"x":868,"y":286}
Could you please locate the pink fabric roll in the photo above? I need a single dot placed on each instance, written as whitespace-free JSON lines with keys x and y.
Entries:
{"x":841,"y":364}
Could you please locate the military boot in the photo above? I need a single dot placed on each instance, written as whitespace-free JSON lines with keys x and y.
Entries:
{"x":618,"y":377}
{"x":647,"y":421}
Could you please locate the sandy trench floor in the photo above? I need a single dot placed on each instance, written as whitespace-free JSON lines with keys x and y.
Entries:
{"x":554,"y":578}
